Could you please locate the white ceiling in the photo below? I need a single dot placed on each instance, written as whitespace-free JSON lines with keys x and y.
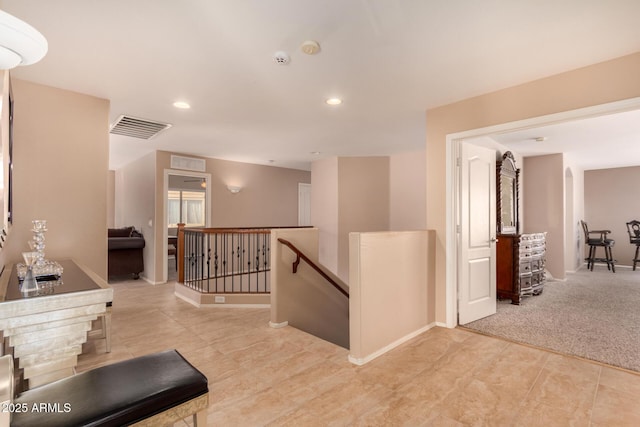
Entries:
{"x":607,"y":141}
{"x":388,"y":60}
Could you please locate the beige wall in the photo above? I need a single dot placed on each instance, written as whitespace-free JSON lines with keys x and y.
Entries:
{"x":574,"y":212}
{"x":60,"y":154}
{"x":365,"y":194}
{"x":363,"y":201}
{"x":390,"y":274}
{"x":324,"y":209}
{"x":269,"y":196}
{"x":349,"y":194}
{"x":544,"y":205}
{"x":610,"y":199}
{"x":407,"y":194}
{"x":597,"y":84}
{"x":111,"y":199}
{"x":135,"y":205}
{"x":305,"y":300}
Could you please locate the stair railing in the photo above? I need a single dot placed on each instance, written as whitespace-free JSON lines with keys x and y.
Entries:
{"x":301,"y":256}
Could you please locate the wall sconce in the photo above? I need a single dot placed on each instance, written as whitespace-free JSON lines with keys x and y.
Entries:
{"x":20,"y":43}
{"x":234,"y":189}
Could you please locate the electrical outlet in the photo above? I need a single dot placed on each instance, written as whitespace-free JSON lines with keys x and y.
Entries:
{"x":219,"y":300}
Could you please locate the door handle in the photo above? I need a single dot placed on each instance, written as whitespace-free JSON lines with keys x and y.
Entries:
{"x":493,"y":240}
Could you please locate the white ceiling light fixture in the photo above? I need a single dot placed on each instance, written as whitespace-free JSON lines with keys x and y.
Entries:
{"x":334,"y":101}
{"x":20,"y":43}
{"x":310,"y":47}
{"x":182,"y":105}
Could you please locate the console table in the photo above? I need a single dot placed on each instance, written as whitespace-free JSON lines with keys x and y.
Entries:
{"x":45,"y":333}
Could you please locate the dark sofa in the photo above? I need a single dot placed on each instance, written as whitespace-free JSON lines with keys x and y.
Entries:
{"x":125,"y":252}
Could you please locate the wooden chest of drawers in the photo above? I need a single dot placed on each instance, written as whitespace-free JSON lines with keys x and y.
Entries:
{"x":520,"y":262}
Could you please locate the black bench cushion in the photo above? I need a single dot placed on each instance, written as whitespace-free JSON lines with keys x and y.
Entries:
{"x":115,"y":395}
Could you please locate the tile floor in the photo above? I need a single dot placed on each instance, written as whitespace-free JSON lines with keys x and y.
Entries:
{"x":284,"y":377}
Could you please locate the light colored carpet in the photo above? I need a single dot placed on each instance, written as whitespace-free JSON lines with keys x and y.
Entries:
{"x":595,"y":315}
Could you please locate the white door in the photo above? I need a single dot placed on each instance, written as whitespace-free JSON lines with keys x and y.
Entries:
{"x":477,"y":267}
{"x":304,"y":204}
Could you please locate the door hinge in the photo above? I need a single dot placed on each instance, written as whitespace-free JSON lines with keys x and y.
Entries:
{"x":458,"y":161}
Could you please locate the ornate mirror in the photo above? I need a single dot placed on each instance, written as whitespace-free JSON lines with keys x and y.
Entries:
{"x":507,"y":194}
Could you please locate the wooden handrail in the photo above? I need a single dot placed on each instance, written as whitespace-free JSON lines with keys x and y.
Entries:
{"x":300,"y":255}
{"x":180,"y":253}
{"x":258,"y":230}
{"x":242,"y":230}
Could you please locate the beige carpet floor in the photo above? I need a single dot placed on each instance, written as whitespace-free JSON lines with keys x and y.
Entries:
{"x":595,"y":315}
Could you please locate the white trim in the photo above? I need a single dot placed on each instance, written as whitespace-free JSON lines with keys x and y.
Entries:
{"x":163,"y":219}
{"x":225,"y":305}
{"x":452,"y":146}
{"x":275,"y":325}
{"x":188,"y":163}
{"x":218,"y":305}
{"x":185,"y":299}
{"x":451,"y":291}
{"x":362,"y":360}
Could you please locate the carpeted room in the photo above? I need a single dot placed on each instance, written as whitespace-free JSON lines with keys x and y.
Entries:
{"x":592,"y":314}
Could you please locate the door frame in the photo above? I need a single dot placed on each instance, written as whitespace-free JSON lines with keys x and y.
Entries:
{"x":165,"y":199}
{"x":453,"y":195}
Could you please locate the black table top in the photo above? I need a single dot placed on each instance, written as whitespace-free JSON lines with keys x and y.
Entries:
{"x":73,"y":279}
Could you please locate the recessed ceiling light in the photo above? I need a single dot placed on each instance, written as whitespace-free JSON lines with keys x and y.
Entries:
{"x":334,"y":101}
{"x":182,"y":105}
{"x":316,"y":153}
{"x":540,"y":138}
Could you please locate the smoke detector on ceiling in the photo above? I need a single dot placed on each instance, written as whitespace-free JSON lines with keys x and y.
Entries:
{"x":281,"y":57}
{"x":310,"y":47}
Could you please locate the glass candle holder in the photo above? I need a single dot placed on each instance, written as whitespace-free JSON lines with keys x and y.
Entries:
{"x":29,"y":285}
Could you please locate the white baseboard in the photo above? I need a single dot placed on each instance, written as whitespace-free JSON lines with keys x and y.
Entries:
{"x":185,"y":299}
{"x":362,"y":360}
{"x":278,"y":325}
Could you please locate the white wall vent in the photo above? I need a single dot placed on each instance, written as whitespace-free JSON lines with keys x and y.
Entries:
{"x":188,"y":163}
{"x":136,"y":127}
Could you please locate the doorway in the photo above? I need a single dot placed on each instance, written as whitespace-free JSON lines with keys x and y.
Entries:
{"x":187,"y":199}
{"x":304,"y":204}
{"x":453,"y":193}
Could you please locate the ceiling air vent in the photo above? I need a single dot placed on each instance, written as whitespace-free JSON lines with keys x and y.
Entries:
{"x":137,"y":128}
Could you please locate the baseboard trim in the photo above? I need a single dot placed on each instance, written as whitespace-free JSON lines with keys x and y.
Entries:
{"x":362,"y":360}
{"x":275,"y":325}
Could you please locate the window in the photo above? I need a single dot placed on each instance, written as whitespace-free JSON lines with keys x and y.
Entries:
{"x":187,"y":207}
